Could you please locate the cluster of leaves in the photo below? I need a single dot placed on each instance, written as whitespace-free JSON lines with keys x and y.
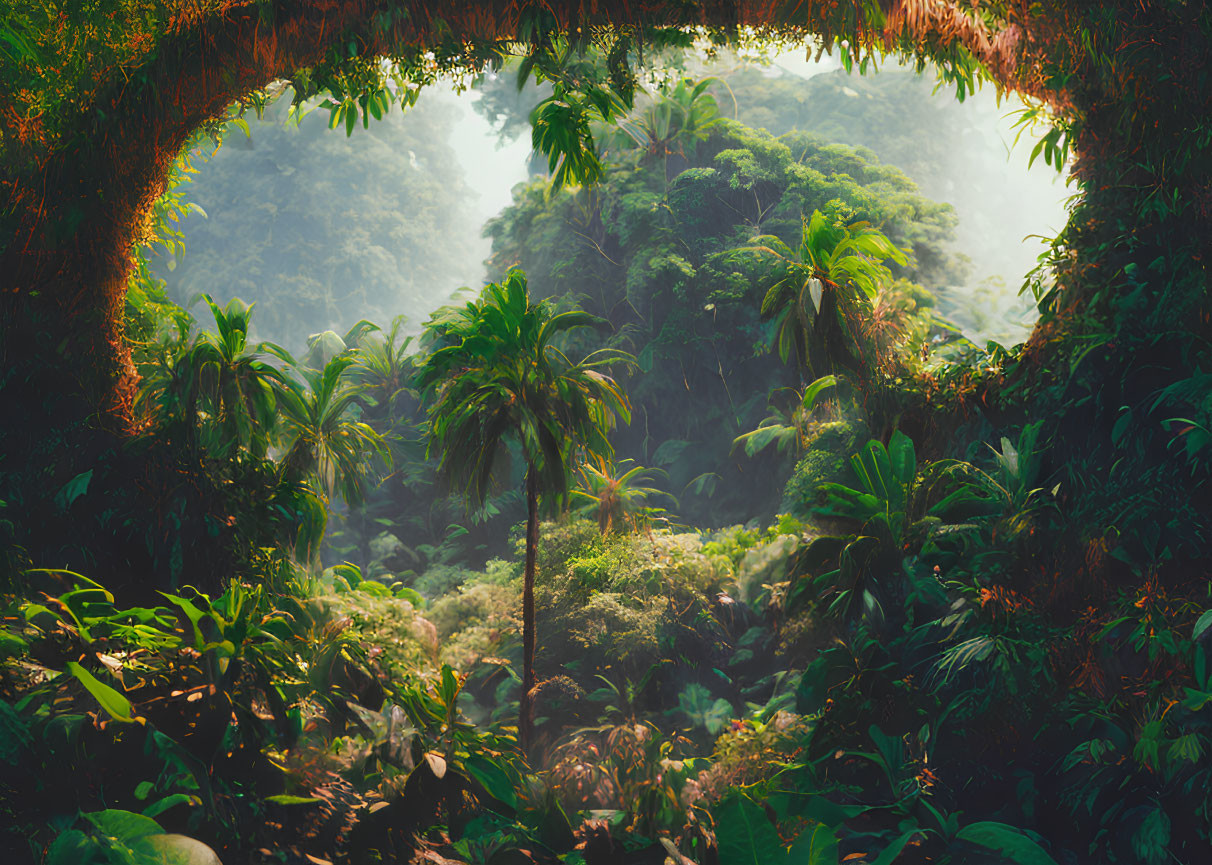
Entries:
{"x":180,"y":700}
{"x":952,"y":647}
{"x":664,"y":248}
{"x":223,"y":402}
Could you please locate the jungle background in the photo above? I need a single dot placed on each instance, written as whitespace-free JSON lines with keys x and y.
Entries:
{"x":865,"y":531}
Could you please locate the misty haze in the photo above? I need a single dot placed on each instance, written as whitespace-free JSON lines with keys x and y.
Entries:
{"x":321,"y":230}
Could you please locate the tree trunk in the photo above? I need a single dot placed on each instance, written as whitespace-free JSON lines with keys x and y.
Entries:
{"x":526,"y":712}
{"x":1122,"y":348}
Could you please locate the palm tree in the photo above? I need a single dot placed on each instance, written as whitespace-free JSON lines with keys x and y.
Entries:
{"x":787,"y":429}
{"x":614,"y":496}
{"x":497,"y":376}
{"x":828,"y":282}
{"x":321,"y":436}
{"x":385,"y":370}
{"x":218,"y":388}
{"x":672,"y":123}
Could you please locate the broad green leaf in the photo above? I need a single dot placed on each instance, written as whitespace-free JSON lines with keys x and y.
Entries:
{"x":1151,"y":840}
{"x":825,"y":672}
{"x":889,"y":853}
{"x":1202,"y":624}
{"x":696,"y":702}
{"x":411,"y":595}
{"x":1186,"y":747}
{"x":73,"y":489}
{"x":173,"y":850}
{"x":815,"y":846}
{"x":645,"y":358}
{"x":814,"y":807}
{"x":192,"y":613}
{"x":283,"y":799}
{"x":126,"y":826}
{"x":158,"y":807}
{"x":874,"y":470}
{"x":450,"y":686}
{"x":118,"y":707}
{"x":903,"y":458}
{"x":11,"y":645}
{"x":492,"y":778}
{"x":1007,"y":841}
{"x":814,"y":390}
{"x":241,"y":124}
{"x":15,"y":734}
{"x":745,"y":835}
{"x":72,"y":847}
{"x":351,"y":573}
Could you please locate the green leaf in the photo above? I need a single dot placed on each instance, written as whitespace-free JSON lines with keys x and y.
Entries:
{"x":1186,"y":747}
{"x":1151,"y":840}
{"x":889,"y":853}
{"x":814,"y":846}
{"x":351,"y":573}
{"x":411,"y":595}
{"x":283,"y":799}
{"x":492,"y":778}
{"x":826,"y":671}
{"x":73,"y":489}
{"x":449,"y":687}
{"x":813,"y":391}
{"x":695,"y":701}
{"x":241,"y":124}
{"x":172,"y":850}
{"x":745,"y":835}
{"x":1122,"y":424}
{"x":1202,"y":624}
{"x":15,"y":734}
{"x":157,"y":808}
{"x":126,"y":826}
{"x":192,"y":613}
{"x":1007,"y":841}
{"x":118,"y":707}
{"x":814,"y":807}
{"x":903,"y":458}
{"x":72,"y":847}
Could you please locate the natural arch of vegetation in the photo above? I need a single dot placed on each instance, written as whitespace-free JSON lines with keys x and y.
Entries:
{"x":91,"y":125}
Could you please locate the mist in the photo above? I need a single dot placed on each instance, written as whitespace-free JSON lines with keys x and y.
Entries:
{"x":321,"y":230}
{"x":962,"y":153}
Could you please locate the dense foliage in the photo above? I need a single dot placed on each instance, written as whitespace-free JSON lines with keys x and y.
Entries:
{"x":982,"y":636}
{"x":671,"y":243}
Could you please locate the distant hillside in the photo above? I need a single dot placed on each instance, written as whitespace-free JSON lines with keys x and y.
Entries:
{"x":955,"y":153}
{"x":322,"y":230}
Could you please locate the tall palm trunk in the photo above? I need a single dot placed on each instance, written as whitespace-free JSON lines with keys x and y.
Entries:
{"x":525,"y":719}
